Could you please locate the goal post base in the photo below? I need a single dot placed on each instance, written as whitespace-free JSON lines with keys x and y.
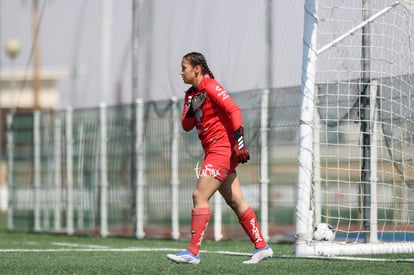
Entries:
{"x":323,"y":248}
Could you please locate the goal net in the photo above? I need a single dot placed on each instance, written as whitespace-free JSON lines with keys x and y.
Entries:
{"x":356,"y":152}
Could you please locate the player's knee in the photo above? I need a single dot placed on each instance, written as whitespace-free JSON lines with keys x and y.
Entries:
{"x":233,"y":204}
{"x":237,"y":206}
{"x":195,"y":195}
{"x":198,"y":197}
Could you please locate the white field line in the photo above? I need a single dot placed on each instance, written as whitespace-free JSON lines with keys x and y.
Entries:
{"x":76,"y":247}
{"x":96,"y":248}
{"x":80,"y":245}
{"x":128,"y":249}
{"x":73,"y":247}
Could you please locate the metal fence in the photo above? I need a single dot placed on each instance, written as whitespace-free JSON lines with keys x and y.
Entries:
{"x":129,"y":170}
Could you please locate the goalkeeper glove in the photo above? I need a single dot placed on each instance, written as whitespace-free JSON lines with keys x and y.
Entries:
{"x":196,"y":102}
{"x":239,"y":148}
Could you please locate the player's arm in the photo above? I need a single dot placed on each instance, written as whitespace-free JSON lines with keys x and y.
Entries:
{"x":187,"y":118}
{"x":225,"y":102}
{"x":222,"y":99}
{"x":193,"y":102}
{"x":240,"y":149}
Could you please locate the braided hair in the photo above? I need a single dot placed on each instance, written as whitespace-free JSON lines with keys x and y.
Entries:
{"x":195,"y":59}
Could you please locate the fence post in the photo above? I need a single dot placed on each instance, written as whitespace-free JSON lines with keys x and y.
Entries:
{"x":175,"y":227}
{"x":57,"y":173}
{"x":10,"y":168}
{"x":36,"y":170}
{"x":218,"y":233}
{"x":83,"y":191}
{"x":103,"y":171}
{"x":69,"y":172}
{"x":139,"y":146}
{"x":264,"y":164}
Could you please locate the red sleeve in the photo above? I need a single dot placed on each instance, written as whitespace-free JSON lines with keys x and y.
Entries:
{"x":220,"y":96}
{"x":187,"y":123}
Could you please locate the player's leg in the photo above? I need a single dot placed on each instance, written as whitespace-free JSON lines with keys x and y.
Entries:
{"x":200,"y":216}
{"x":232,"y":194}
{"x":231,"y":191}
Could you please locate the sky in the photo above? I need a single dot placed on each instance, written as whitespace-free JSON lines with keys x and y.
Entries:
{"x":231,"y":34}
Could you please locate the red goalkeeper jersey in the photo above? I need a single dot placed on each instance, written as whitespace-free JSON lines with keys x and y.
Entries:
{"x":217,"y":119}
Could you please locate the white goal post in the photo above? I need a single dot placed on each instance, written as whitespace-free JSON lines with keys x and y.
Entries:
{"x":356,"y":141}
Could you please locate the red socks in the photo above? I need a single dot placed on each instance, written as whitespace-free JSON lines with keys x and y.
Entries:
{"x":249,"y":223}
{"x":199,"y":222}
{"x":201,"y":217}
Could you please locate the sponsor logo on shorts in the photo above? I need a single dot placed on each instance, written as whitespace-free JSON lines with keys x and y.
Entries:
{"x":208,"y":170}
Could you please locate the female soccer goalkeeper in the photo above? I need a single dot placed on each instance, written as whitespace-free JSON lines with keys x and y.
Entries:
{"x":218,"y":120}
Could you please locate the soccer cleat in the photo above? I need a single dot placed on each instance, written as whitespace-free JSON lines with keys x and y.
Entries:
{"x":185,"y":257}
{"x":260,"y":255}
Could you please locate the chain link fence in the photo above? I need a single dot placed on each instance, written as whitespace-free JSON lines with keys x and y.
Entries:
{"x":111,"y":171}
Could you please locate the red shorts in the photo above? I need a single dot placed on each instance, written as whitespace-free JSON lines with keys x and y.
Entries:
{"x":219,"y":163}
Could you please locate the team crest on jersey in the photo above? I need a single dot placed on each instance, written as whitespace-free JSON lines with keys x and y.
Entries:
{"x":198,"y":114}
{"x":198,"y":118}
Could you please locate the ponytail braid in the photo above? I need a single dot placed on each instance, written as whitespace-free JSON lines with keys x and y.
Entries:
{"x":206,"y":69}
{"x":196,"y":59}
